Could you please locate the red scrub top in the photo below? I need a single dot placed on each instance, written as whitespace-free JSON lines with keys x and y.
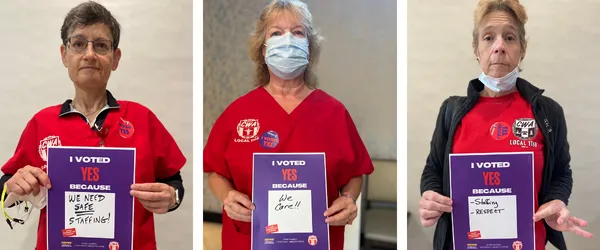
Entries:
{"x":320,"y":123}
{"x":157,"y":154}
{"x":491,"y":126}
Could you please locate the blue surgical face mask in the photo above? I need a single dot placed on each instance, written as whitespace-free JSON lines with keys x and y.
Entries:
{"x":287,"y":55}
{"x":504,"y":83}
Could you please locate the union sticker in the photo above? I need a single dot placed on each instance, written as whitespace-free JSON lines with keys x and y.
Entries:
{"x":269,"y":139}
{"x":126,"y":129}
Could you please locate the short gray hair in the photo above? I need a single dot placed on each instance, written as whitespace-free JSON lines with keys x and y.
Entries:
{"x":90,"y":13}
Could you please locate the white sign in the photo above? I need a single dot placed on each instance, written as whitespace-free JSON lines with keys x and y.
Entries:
{"x":92,"y":215}
{"x":486,"y":213}
{"x":291,"y":211}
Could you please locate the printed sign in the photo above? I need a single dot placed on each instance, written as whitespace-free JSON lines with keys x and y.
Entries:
{"x":290,"y":195}
{"x":89,"y":205}
{"x":493,"y":200}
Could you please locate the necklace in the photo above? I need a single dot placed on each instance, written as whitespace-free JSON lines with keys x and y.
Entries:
{"x":90,"y":113}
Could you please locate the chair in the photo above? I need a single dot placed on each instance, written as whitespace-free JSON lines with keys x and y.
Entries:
{"x":378,"y":224}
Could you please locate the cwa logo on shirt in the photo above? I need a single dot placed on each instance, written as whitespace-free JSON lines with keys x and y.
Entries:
{"x":247,"y":130}
{"x":47,"y":142}
{"x":524,"y":129}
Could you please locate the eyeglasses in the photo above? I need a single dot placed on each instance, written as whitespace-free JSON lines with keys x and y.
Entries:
{"x":80,"y":44}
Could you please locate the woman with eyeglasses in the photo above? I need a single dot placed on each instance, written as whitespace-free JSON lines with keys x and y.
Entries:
{"x":90,"y":52}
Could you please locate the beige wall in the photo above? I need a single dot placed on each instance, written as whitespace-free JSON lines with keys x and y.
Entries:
{"x":357,"y":66}
{"x":155,"y":70}
{"x":562,"y":57}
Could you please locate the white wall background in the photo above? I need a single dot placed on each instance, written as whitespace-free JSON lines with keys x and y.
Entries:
{"x":562,"y":57}
{"x":357,"y":66}
{"x":155,"y":70}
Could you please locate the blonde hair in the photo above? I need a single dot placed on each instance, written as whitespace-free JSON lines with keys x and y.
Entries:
{"x":257,"y":39}
{"x":510,"y":7}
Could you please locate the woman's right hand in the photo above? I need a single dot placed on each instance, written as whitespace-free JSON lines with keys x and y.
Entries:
{"x":431,"y":206}
{"x":27,"y":180}
{"x":238,"y":206}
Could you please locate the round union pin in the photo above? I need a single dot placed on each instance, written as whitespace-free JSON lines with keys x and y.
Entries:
{"x":126,"y":129}
{"x":269,"y":139}
{"x":500,"y":130}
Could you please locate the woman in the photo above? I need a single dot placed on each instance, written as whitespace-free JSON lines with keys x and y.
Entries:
{"x":499,"y":96}
{"x":285,"y":48}
{"x":90,"y":51}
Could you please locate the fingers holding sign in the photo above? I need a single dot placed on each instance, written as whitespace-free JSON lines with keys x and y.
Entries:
{"x":28,"y":180}
{"x":155,"y":197}
{"x":238,"y":206}
{"x":342,"y":212}
{"x":431,"y":206}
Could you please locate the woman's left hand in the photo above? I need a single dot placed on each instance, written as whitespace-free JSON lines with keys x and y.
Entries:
{"x":155,"y":197}
{"x":558,"y":217}
{"x":342,"y":212}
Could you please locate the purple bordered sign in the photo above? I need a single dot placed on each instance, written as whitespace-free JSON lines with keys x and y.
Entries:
{"x":289,"y":191}
{"x":492,"y":201}
{"x":89,"y":204}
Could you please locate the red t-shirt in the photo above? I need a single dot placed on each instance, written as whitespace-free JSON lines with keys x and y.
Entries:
{"x":319,"y":123}
{"x":488,"y":127}
{"x":157,"y":154}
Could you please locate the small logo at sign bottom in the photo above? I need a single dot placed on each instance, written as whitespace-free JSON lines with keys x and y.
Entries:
{"x":69,"y":232}
{"x":517,"y":245}
{"x":113,"y":245}
{"x":272,"y":229}
{"x":474,"y":235}
{"x":312,"y":240}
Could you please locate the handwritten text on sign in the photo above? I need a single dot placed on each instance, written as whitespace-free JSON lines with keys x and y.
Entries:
{"x":487,"y":212}
{"x":90,"y":214}
{"x":291,"y":210}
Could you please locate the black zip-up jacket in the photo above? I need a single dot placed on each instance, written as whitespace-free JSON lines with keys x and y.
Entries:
{"x":557,"y":180}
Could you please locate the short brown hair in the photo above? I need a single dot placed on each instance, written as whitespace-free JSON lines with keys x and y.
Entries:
{"x":257,"y":39}
{"x":511,"y":7}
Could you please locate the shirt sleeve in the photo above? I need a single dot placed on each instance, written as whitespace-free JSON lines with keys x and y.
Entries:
{"x":26,"y":151}
{"x":216,"y":145}
{"x":361,"y":163}
{"x":168,"y":157}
